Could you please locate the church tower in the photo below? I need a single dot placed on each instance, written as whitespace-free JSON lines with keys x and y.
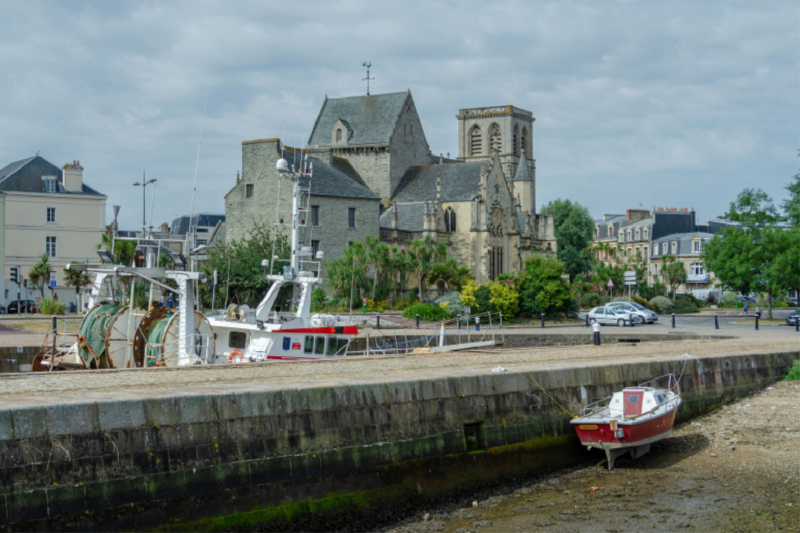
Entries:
{"x":507,"y":130}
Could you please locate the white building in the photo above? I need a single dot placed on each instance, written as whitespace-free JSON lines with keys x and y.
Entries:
{"x":48,"y":210}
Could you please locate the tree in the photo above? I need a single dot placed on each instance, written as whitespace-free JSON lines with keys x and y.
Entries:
{"x":421,"y":254}
{"x":399,"y":265}
{"x":123,"y":250}
{"x":377,"y":254}
{"x":347,"y":275}
{"x":753,"y":208}
{"x":504,"y":297}
{"x":39,"y":274}
{"x":791,"y":206}
{"x":541,"y":287}
{"x":574,"y":227}
{"x":673,"y":272}
{"x":448,"y":275}
{"x":241,"y":277}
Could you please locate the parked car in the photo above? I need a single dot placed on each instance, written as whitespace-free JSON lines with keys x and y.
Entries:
{"x":13,"y":307}
{"x":750,"y":299}
{"x":611,"y":315}
{"x":792,"y":318}
{"x":640,"y":313}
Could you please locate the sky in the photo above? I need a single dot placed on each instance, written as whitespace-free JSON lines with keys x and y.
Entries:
{"x":637,"y":103}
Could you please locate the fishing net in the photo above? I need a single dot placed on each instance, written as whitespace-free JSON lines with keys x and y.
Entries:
{"x":154,"y":352}
{"x":94,"y":332}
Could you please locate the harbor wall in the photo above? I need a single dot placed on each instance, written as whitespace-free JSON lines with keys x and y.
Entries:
{"x":346,"y":454}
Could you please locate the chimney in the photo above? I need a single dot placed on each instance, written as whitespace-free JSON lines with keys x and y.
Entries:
{"x":164,"y":227}
{"x":73,"y":177}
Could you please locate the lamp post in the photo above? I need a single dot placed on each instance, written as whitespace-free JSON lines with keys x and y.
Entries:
{"x":143,"y":184}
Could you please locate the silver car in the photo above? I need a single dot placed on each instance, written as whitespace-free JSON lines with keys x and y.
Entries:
{"x":640,"y":313}
{"x":611,"y":315}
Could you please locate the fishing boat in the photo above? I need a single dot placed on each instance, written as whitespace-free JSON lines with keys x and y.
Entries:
{"x":268,"y":332}
{"x":631,"y":420}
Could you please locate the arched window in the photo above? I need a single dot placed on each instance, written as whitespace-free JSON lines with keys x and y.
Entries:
{"x":475,"y":141}
{"x":339,"y":135}
{"x":674,"y":248}
{"x":514,"y":139}
{"x":696,"y":269}
{"x":524,"y":142}
{"x":450,"y":220}
{"x":495,"y":139}
{"x":611,"y":231}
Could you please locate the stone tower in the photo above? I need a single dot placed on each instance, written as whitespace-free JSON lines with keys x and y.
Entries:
{"x":506,"y":130}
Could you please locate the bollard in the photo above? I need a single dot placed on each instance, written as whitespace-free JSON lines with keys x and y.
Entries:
{"x":542,"y":319}
{"x":631,"y":321}
{"x":477,"y":323}
{"x":417,"y":320}
{"x":459,"y":321}
{"x":596,"y":328}
{"x":673,"y":320}
{"x":501,"y":320}
{"x":716,"y":321}
{"x":797,"y":325}
{"x":55,"y":324}
{"x":758,"y":315}
{"x":378,"y":322}
{"x":587,"y":320}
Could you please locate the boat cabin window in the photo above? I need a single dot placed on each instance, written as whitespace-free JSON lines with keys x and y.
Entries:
{"x":319,"y":346}
{"x":332,"y":346}
{"x":237,"y":339}
{"x":309,"y":345}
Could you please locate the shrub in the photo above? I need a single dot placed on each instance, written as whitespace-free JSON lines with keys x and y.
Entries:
{"x":603,"y":300}
{"x":542,"y":289}
{"x":780,"y":304}
{"x":683,"y":306}
{"x":712,"y":299}
{"x":662,"y":305}
{"x":794,"y":372}
{"x":504,"y":298}
{"x":642,"y":301}
{"x":52,"y":306}
{"x":428,"y":313}
{"x":452,"y":302}
{"x":573,"y":308}
{"x":483,"y":299}
{"x":467,"y":294}
{"x":589,"y":300}
{"x":729,"y":299}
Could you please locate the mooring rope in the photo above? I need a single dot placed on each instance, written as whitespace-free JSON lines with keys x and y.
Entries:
{"x":551,"y":395}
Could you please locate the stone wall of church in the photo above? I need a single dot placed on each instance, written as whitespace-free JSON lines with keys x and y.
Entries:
{"x":333,"y":232}
{"x":460,"y":248}
{"x":373,"y":165}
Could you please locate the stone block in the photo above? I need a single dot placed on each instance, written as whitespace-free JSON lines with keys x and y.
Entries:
{"x":66,"y":499}
{"x":25,"y":506}
{"x":161,"y":411}
{"x":224,"y":406}
{"x":29,"y":422}
{"x":6,"y":425}
{"x":305,"y":466}
{"x":203,"y":481}
{"x":72,"y":419}
{"x":193,"y":409}
{"x":270,"y":470}
{"x":120,"y":414}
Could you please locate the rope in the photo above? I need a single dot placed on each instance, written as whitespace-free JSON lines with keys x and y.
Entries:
{"x":551,"y":395}
{"x":94,"y":332}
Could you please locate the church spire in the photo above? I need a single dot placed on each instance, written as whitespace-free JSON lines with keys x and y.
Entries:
{"x":523,"y":172}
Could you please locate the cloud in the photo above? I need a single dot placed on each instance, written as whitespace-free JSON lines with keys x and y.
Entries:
{"x":679,"y":103}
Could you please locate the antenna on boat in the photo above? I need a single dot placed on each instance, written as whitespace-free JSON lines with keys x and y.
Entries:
{"x":197,"y":164}
{"x":283,"y":140}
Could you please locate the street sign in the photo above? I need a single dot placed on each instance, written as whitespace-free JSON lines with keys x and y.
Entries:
{"x":630,"y":273}
{"x":610,"y":283}
{"x":630,"y":282}
{"x":53,"y":279}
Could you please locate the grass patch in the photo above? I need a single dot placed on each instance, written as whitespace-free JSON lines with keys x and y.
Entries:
{"x":43,"y":326}
{"x":764,"y":321}
{"x":794,"y":372}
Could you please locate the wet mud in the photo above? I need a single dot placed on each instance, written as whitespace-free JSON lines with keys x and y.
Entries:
{"x":736,"y":469}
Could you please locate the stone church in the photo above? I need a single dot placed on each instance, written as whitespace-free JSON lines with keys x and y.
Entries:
{"x":374,"y":174}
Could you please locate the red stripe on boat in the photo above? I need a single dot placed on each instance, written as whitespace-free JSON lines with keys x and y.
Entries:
{"x":346,"y":330}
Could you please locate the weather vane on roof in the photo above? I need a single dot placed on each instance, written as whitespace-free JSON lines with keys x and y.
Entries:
{"x":367,"y":64}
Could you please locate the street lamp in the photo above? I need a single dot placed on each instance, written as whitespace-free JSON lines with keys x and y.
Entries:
{"x":144,"y":185}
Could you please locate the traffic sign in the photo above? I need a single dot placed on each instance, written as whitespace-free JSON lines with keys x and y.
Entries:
{"x":630,"y":273}
{"x":53,"y":280}
{"x":627,"y":282}
{"x":610,"y":283}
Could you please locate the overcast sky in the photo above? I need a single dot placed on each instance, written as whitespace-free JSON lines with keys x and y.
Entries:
{"x":673,"y":104}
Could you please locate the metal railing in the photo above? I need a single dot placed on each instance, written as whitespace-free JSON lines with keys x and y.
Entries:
{"x":672,"y":386}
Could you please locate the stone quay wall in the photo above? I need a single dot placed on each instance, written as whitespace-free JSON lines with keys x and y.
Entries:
{"x":315,"y":457}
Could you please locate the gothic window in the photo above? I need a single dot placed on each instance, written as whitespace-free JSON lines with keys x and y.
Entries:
{"x":475,"y":141}
{"x":495,"y":139}
{"x":524,"y":143}
{"x":515,"y":138}
{"x":450,"y":220}
{"x":339,"y":135}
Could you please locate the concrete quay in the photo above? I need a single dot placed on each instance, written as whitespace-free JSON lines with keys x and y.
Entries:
{"x":325,"y":444}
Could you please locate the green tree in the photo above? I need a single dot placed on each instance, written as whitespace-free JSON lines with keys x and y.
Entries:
{"x":541,"y":287}
{"x":422,"y":253}
{"x":241,"y":277}
{"x":673,"y":271}
{"x":377,"y":258}
{"x":731,"y":256}
{"x":39,"y":274}
{"x":574,"y":227}
{"x":504,"y":297}
{"x":753,"y":208}
{"x":122,"y":250}
{"x":791,"y":206}
{"x":448,"y":275}
{"x":347,"y":275}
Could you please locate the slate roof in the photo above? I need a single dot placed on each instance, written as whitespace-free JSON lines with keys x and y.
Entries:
{"x":410,"y":216}
{"x":371,"y":118}
{"x":181,"y":225}
{"x":25,"y":175}
{"x":523,"y":172}
{"x":338,"y":180}
{"x":460,"y":182}
{"x":684,"y":242}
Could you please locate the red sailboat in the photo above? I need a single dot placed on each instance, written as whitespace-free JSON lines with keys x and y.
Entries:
{"x":630,"y":420}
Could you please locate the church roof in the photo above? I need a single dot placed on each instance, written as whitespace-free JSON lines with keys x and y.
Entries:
{"x":339,"y":180}
{"x":25,"y":175}
{"x":410,"y":216}
{"x":523,"y":172}
{"x":460,"y":182}
{"x":371,"y":118}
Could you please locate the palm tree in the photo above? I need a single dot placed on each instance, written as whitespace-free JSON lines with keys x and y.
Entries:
{"x":399,"y":264}
{"x":376,"y":253}
{"x":420,"y":254}
{"x":40,"y":273}
{"x":123,"y":250}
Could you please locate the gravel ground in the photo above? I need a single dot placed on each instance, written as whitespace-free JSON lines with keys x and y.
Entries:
{"x":66,"y":386}
{"x":733,"y":470}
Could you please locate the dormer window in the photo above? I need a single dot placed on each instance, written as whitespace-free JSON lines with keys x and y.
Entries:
{"x":697,"y":247}
{"x":50,"y":184}
{"x":339,"y":135}
{"x":674,"y":248}
{"x":611,"y":231}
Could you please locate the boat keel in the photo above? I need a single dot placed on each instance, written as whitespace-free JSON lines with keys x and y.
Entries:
{"x":635,"y":451}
